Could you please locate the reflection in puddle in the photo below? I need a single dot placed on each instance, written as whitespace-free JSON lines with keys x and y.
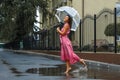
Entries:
{"x":57,"y":71}
{"x":14,"y":70}
{"x":51,"y":71}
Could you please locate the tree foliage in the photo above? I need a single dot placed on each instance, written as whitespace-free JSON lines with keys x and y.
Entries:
{"x":109,"y":31}
{"x":17,"y":17}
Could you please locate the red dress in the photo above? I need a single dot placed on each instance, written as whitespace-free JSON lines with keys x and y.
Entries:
{"x":67,"y":52}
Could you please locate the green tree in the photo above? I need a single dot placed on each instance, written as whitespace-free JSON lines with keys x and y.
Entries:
{"x":17,"y":17}
{"x":109,"y":31}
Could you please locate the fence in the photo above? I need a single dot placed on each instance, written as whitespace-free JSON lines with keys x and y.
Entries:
{"x":94,"y":32}
{"x":93,"y":38}
{"x":100,"y":32}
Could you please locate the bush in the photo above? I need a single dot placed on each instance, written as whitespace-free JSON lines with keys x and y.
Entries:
{"x":103,"y":48}
{"x":109,"y":31}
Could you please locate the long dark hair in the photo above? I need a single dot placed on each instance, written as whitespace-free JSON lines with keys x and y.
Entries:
{"x":70,"y":20}
{"x":70,"y":23}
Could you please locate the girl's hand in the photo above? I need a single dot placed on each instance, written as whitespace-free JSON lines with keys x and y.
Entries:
{"x":58,"y":29}
{"x":64,"y":30}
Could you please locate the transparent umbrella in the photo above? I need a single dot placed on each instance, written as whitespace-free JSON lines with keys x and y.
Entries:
{"x":66,"y":10}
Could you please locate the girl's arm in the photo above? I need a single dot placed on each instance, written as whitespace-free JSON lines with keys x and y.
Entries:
{"x":65,"y":29}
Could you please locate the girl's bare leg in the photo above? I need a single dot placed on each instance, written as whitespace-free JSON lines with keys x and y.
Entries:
{"x":68,"y":68}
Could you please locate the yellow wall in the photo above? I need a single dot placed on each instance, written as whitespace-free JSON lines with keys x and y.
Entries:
{"x":93,"y":6}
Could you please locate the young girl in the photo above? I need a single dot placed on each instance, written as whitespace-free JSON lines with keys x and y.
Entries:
{"x":67,"y":53}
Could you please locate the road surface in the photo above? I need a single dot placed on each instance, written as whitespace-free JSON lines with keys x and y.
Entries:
{"x":16,"y":66}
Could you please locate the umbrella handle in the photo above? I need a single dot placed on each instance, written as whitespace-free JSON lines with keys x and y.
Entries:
{"x":60,"y":24}
{"x":57,"y":17}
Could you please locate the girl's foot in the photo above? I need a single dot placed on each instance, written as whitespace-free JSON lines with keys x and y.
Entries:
{"x":83,"y":62}
{"x":68,"y":70}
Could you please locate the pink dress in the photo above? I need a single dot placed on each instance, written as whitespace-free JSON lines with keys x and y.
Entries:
{"x":67,"y":52}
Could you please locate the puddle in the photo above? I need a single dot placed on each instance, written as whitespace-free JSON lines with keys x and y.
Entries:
{"x":90,"y":74}
{"x":56,"y":71}
{"x":14,"y":70}
{"x":50,"y":71}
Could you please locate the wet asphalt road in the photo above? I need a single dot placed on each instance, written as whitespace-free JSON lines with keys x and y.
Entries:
{"x":26,"y":67}
{"x":16,"y":66}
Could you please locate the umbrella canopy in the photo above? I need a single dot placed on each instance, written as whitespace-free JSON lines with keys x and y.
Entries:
{"x":66,"y":10}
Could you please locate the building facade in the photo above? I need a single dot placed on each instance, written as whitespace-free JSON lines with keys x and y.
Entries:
{"x":91,"y":7}
{"x":104,"y":10}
